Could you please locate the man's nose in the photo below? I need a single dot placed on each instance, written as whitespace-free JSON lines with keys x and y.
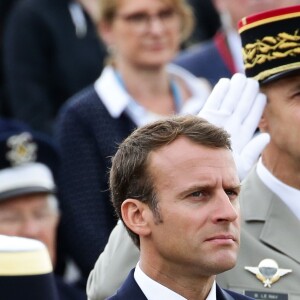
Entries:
{"x":225,"y":210}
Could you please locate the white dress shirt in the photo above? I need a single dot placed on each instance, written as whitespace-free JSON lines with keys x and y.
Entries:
{"x":154,"y":290}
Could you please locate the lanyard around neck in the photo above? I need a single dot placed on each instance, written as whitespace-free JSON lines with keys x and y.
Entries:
{"x":176,"y":95}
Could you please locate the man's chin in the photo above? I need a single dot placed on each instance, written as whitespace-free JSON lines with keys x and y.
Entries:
{"x":226,"y":262}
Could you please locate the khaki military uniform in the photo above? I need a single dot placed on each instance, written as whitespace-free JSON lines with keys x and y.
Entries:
{"x":270,"y":230}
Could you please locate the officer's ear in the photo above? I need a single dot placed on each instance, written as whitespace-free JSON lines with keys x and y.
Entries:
{"x":263,"y":123}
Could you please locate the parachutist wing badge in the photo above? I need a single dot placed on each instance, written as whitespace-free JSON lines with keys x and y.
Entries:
{"x":268,"y":272}
{"x":253,"y":270}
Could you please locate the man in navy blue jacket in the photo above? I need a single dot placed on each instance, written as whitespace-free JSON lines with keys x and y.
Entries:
{"x":175,"y":186}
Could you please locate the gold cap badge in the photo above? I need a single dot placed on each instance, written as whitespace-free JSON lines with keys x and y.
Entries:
{"x":22,"y":149}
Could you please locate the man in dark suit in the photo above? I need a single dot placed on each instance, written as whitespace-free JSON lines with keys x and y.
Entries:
{"x":175,"y":186}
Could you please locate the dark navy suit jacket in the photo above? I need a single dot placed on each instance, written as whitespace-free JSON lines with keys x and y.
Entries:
{"x":131,"y":291}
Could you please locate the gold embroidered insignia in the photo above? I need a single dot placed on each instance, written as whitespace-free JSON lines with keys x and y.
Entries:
{"x":22,"y":149}
{"x":268,"y":272}
{"x":270,"y":48}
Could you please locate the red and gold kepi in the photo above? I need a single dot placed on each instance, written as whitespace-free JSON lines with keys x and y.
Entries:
{"x":271,"y":43}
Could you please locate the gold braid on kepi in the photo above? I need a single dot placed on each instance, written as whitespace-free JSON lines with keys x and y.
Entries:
{"x":271,"y":43}
{"x":25,"y":270}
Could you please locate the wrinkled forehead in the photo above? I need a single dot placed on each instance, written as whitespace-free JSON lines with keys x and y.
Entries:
{"x":185,"y":160}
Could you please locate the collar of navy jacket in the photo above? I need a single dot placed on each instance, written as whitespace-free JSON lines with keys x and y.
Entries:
{"x":131,"y":290}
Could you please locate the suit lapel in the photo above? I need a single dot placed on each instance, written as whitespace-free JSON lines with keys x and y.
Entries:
{"x":222,"y":294}
{"x":130,"y":289}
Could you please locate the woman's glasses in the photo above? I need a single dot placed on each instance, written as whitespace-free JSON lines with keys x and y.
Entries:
{"x":141,"y":21}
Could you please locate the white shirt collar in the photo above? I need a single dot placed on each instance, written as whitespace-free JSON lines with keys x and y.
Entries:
{"x":116,"y":99}
{"x":287,"y":194}
{"x":111,"y":93}
{"x":154,"y":290}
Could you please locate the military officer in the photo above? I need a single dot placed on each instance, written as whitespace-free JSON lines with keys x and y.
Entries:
{"x":269,"y":260}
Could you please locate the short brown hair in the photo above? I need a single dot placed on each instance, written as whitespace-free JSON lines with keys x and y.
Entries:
{"x":108,"y":10}
{"x":129,"y":174}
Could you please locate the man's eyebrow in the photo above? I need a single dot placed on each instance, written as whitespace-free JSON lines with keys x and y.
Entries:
{"x":195,"y":187}
{"x":233,"y":187}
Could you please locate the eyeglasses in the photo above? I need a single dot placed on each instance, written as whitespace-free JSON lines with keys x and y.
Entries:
{"x":141,"y":21}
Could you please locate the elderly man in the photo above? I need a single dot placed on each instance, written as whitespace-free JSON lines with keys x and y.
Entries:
{"x":28,"y":206}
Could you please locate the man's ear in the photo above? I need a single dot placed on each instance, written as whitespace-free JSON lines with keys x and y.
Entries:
{"x":263,"y":123}
{"x":136,"y":215}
